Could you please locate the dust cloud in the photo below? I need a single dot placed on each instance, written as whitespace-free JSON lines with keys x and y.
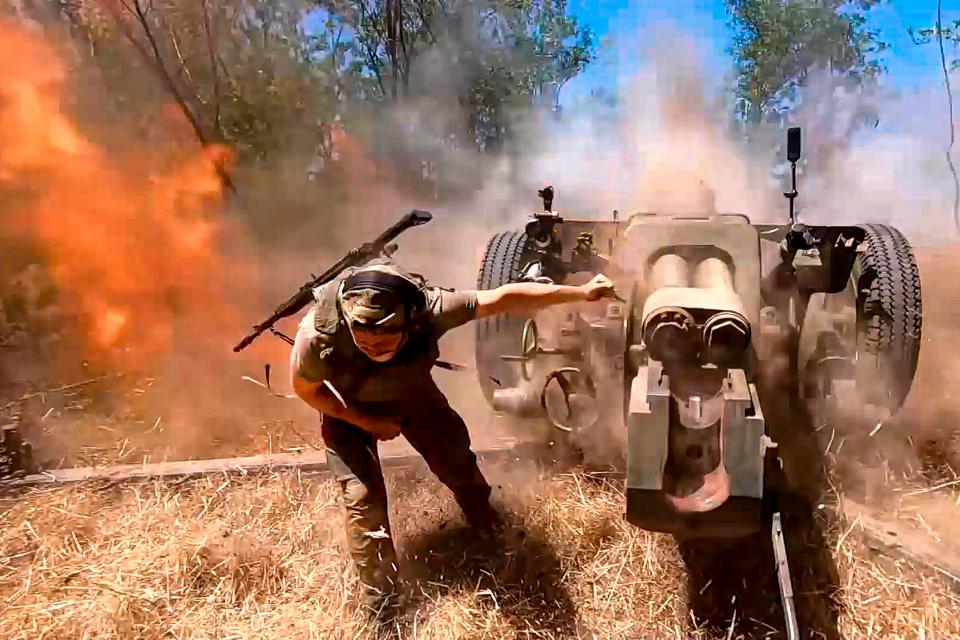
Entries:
{"x":869,"y":157}
{"x":666,"y":145}
{"x":156,"y":271}
{"x":160,"y":262}
{"x":879,"y":157}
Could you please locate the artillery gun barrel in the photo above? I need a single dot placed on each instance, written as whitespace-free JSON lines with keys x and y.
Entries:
{"x":669,"y":270}
{"x":713,"y":273}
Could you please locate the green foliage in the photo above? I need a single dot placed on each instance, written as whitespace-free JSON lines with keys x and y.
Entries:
{"x":779,"y":43}
{"x":500,"y":56}
{"x":950,"y":35}
{"x":242,"y":69}
{"x":249,"y":73}
{"x":257,"y":81}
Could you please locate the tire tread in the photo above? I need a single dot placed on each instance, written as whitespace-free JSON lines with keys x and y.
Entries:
{"x":502,"y":263}
{"x":890,"y":307}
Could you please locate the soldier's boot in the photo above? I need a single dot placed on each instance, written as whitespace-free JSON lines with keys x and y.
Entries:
{"x":453,"y":462}
{"x":481,"y":515}
{"x":379,"y":586}
{"x":372,"y":548}
{"x":471,"y":492}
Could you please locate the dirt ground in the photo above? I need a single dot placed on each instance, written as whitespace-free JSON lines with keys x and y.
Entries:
{"x":262,"y":557}
{"x":895,"y":469}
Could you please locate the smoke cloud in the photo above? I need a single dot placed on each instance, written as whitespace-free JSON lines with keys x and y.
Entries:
{"x":211,"y":267}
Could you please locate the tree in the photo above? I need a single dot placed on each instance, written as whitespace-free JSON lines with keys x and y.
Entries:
{"x":941,"y":34}
{"x":778,"y":44}
{"x":277,"y":80}
{"x":503,"y":56}
{"x":242,"y":72}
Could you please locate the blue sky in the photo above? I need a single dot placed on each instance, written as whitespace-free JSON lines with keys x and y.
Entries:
{"x":629,"y":24}
{"x":624,"y":26}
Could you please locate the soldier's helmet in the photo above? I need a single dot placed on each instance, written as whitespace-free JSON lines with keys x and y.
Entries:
{"x":380,"y":301}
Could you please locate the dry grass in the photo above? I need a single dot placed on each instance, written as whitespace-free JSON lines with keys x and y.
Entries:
{"x":263,"y":558}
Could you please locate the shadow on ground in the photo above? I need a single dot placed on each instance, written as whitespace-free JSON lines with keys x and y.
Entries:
{"x":734,"y":583}
{"x":517,"y":570}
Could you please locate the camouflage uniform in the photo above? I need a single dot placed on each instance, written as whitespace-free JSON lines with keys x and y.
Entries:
{"x":402,"y":388}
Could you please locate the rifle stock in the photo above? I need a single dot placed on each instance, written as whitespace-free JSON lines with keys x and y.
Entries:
{"x":355,"y":257}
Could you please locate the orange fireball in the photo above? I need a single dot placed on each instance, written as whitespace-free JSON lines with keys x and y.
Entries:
{"x":132,"y":242}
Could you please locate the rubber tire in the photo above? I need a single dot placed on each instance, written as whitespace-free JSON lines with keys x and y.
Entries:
{"x":889,"y":317}
{"x":502,"y":334}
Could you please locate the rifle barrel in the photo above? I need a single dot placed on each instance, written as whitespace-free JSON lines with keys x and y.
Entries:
{"x":354,"y":257}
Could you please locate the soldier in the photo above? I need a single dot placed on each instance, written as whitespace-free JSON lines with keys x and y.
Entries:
{"x":362,"y":358}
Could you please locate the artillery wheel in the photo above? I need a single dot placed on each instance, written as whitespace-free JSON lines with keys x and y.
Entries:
{"x":500,"y":335}
{"x":889,"y":317}
{"x":864,"y":342}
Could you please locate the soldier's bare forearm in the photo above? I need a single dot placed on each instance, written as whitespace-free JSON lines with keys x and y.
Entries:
{"x":318,"y":396}
{"x":331,"y":406}
{"x":526,"y":297}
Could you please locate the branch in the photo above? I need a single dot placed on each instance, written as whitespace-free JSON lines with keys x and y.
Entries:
{"x":214,"y":69}
{"x":223,"y":69}
{"x":403,"y":45}
{"x":426,"y":23}
{"x":183,"y":63}
{"x":335,"y":65}
{"x":946,"y":82}
{"x":391,"y":20}
{"x":372,"y":57}
{"x":161,"y":69}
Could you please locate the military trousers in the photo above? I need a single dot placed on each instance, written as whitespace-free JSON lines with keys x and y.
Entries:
{"x":438,"y":434}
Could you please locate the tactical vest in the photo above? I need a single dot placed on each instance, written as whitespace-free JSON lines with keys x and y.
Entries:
{"x":351,"y":372}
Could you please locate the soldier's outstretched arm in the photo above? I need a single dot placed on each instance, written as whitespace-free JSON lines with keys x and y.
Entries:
{"x":528,"y":297}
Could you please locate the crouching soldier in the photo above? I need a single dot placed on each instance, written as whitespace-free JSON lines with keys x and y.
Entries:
{"x":362,"y":358}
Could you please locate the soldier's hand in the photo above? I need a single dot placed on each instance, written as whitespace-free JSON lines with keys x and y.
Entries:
{"x":386,"y":427}
{"x":599,"y":287}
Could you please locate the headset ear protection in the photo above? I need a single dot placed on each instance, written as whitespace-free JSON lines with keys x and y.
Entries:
{"x":411,"y":290}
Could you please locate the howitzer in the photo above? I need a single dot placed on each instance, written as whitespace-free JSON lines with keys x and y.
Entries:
{"x":735,"y":342}
{"x":355,"y":257}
